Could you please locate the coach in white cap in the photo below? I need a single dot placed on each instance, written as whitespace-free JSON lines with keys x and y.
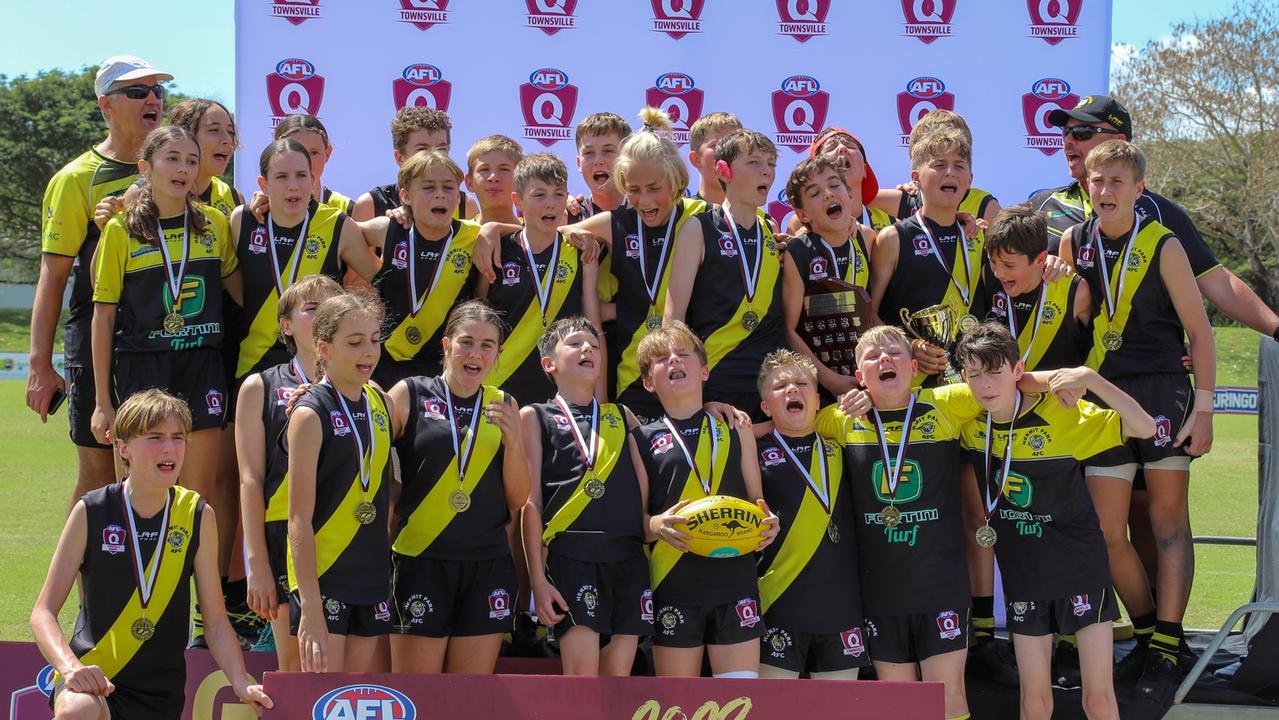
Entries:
{"x":131,"y":100}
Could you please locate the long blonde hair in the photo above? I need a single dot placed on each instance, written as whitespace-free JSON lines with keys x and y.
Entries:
{"x":652,"y":144}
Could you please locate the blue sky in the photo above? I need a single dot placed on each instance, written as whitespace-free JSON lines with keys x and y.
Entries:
{"x":198,"y":46}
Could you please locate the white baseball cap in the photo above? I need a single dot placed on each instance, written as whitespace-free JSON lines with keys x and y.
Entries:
{"x":118,"y":68}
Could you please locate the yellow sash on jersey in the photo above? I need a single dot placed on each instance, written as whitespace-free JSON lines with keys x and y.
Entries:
{"x":664,"y":556}
{"x":861,"y":263}
{"x":265,"y":329}
{"x":806,"y":531}
{"x":338,"y":201}
{"x":878,"y":219}
{"x":1144,"y":247}
{"x":1058,"y":297}
{"x":606,"y":282}
{"x":117,"y":646}
{"x":277,"y":506}
{"x":525,"y":334}
{"x":972,"y":201}
{"x":336,"y":534}
{"x":441,"y":298}
{"x":965,"y":275}
{"x":434,"y":514}
{"x":612,"y":444}
{"x":628,"y":368}
{"x":731,"y":333}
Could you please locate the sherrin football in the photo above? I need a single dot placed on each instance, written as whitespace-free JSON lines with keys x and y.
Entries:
{"x":721,"y":526}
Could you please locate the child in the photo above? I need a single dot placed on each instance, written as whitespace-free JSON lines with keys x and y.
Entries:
{"x":903,"y":203}
{"x":339,"y":448}
{"x":426,"y":269}
{"x":1028,"y":452}
{"x":599,"y":138}
{"x":1145,"y":301}
{"x":808,"y":580}
{"x":490,"y":174}
{"x":126,"y":657}
{"x":309,"y":131}
{"x":583,"y":524}
{"x":459,"y":440}
{"x":844,"y":147}
{"x":726,"y":273}
{"x":413,"y":129}
{"x":699,"y":603}
{"x":703,"y":137}
{"x":542,"y":279}
{"x":834,"y":246}
{"x":260,"y":418}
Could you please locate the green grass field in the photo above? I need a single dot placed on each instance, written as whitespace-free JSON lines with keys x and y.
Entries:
{"x":40,"y":472}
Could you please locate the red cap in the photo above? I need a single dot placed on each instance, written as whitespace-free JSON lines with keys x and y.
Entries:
{"x":870,"y":184}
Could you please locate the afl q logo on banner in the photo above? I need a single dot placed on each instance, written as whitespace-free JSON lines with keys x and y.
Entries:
{"x":928,"y":20}
{"x":548,"y":102}
{"x":363,"y":702}
{"x":295,"y":11}
{"x":677,"y":18}
{"x":675,"y":94}
{"x":1046,"y":95}
{"x":802,"y":19}
{"x":424,"y":14}
{"x":921,"y":96}
{"x":1054,"y":20}
{"x":551,"y":16}
{"x":799,"y":111}
{"x":422,"y":85}
{"x":293,"y":89}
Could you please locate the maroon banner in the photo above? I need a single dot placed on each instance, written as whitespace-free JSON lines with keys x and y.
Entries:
{"x":301,"y":696}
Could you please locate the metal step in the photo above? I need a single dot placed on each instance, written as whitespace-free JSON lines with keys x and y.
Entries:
{"x":1194,"y":711}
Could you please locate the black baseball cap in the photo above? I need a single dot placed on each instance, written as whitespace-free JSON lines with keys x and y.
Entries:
{"x":1096,"y":108}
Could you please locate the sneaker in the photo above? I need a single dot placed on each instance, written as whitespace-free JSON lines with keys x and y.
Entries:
{"x":1130,"y":668}
{"x":246,"y":624}
{"x":1160,"y":678}
{"x":265,"y":642}
{"x":1065,"y":667}
{"x":993,"y":658}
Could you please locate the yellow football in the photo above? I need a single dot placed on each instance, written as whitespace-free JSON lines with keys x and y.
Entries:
{"x":721,"y":526}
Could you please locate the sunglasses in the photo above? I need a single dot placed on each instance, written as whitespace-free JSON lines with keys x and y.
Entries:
{"x":139,"y":92}
{"x":1084,"y":133}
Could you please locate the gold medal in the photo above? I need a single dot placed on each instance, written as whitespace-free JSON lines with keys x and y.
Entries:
{"x":986,"y":536}
{"x":594,"y":489}
{"x":832,"y":531}
{"x":174,"y":322}
{"x":459,"y":500}
{"x":890,"y":516}
{"x":653,"y":322}
{"x":143,"y":629}
{"x":1112,"y":340}
{"x":750,"y":320}
{"x":412,"y":334}
{"x":967,"y":322}
{"x":365,"y":513}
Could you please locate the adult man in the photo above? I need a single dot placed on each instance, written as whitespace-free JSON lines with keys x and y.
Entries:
{"x":132,"y":102}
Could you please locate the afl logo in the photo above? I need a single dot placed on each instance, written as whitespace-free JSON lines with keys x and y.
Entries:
{"x":678,"y":96}
{"x":926,"y":87}
{"x":368,"y":702}
{"x":548,"y":101}
{"x":674,"y":83}
{"x":422,"y":85}
{"x":799,"y":111}
{"x":294,"y":88}
{"x":921,"y":96}
{"x":294,"y":69}
{"x":548,"y":79}
{"x":1045,"y":96}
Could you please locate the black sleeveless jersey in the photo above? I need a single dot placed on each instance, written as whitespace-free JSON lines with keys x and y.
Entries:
{"x":1058,"y":340}
{"x":611,"y":527}
{"x":694,"y":580}
{"x":920,"y":281}
{"x":278,"y":384}
{"x":430,"y":472}
{"x":154,"y":678}
{"x":387,"y":197}
{"x":813,"y":260}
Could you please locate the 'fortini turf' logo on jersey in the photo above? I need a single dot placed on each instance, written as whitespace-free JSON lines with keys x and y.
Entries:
{"x":424,"y":14}
{"x":677,"y":95}
{"x":802,"y":19}
{"x":422,"y":85}
{"x":294,"y":89}
{"x":1046,"y":94}
{"x":799,"y":111}
{"x":1054,"y":20}
{"x":1018,"y":490}
{"x":551,"y":16}
{"x":922,"y":95}
{"x":548,"y":101}
{"x":910,"y":485}
{"x":677,"y":18}
{"x":295,"y":11}
{"x":190,"y":302}
{"x":928,"y":20}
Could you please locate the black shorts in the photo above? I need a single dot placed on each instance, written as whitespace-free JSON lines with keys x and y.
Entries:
{"x":914,"y":638}
{"x":689,"y":626}
{"x":127,"y":703}
{"x":1066,"y":615}
{"x":799,"y":652}
{"x":447,"y":598}
{"x":277,"y":553}
{"x":611,"y":598}
{"x":345,"y":619}
{"x":195,"y":376}
{"x":1168,"y":398}
{"x":81,"y":400}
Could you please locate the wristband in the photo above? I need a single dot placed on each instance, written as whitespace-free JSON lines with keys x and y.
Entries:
{"x":1203,"y":400}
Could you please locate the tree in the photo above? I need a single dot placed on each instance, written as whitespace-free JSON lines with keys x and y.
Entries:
{"x":1206,"y":109}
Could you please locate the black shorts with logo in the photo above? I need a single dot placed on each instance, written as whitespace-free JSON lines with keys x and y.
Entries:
{"x":688,"y":626}
{"x":611,"y":598}
{"x":344,"y":618}
{"x":447,"y":598}
{"x":277,"y":554}
{"x":1168,"y":398}
{"x":799,"y":652}
{"x":914,"y":638}
{"x":1065,"y":615}
{"x":195,"y":376}
{"x":81,"y":399}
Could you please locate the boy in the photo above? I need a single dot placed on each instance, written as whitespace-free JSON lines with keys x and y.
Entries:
{"x":583,"y":524}
{"x":490,"y":174}
{"x":1145,"y":301}
{"x":845,"y":149}
{"x":126,"y":657}
{"x":726,"y":273}
{"x":902,"y":203}
{"x":413,"y":129}
{"x":542,"y":278}
{"x":699,"y":603}
{"x":834,"y":247}
{"x":599,"y":138}
{"x":808,"y":581}
{"x":703,"y":137}
{"x":1028,"y":453}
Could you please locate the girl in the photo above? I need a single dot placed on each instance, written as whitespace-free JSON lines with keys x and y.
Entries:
{"x":460,"y":440}
{"x":339,"y":448}
{"x":214,"y":129}
{"x":260,"y":419}
{"x":309,"y":131}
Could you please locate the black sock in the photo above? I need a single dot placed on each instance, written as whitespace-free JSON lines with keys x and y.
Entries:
{"x":1143,"y":626}
{"x":983,"y":617}
{"x":1167,"y":639}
